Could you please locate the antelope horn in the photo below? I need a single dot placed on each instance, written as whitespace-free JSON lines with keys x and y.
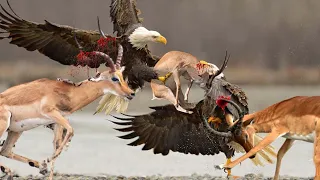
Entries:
{"x":223,"y":134}
{"x":237,"y":126}
{"x":101,"y":32}
{"x":107,"y":58}
{"x":224,"y":65}
{"x":119,"y":58}
{"x":75,"y":38}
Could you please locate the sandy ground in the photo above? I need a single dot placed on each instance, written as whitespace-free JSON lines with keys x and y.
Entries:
{"x":96,"y":150}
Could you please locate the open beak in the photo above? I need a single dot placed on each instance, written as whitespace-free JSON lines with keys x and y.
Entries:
{"x":162,"y":40}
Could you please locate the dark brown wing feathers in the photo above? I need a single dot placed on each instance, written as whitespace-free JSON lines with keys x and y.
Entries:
{"x":124,"y":15}
{"x":167,"y":129}
{"x":55,"y":41}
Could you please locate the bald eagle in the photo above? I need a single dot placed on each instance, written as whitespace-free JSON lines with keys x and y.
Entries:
{"x":167,"y":129}
{"x":58,"y":43}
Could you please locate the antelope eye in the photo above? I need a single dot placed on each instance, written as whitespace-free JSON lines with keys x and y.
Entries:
{"x":114,"y":79}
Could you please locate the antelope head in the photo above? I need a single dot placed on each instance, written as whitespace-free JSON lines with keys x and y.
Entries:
{"x":110,"y":81}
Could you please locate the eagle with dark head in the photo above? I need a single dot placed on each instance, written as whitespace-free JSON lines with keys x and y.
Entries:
{"x":58,"y":42}
{"x":167,"y":129}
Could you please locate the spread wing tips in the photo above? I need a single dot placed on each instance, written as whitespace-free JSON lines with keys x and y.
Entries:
{"x":129,"y":136}
{"x":122,"y":123}
{"x":123,"y":119}
{"x":7,"y":18}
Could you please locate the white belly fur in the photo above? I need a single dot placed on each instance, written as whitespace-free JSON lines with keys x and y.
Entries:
{"x":307,"y":138}
{"x":27,"y":124}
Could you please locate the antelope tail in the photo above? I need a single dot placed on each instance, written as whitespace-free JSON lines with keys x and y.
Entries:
{"x":110,"y":102}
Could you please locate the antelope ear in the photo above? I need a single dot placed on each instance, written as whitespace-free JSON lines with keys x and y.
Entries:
{"x":97,"y":74}
{"x":96,"y":79}
{"x":122,"y":68}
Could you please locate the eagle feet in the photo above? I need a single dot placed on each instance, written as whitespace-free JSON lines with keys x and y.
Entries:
{"x":164,"y":78}
{"x":226,"y":169}
{"x":215,"y":120}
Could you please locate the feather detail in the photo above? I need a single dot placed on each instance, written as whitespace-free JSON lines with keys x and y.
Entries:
{"x":263,"y":153}
{"x":110,"y":102}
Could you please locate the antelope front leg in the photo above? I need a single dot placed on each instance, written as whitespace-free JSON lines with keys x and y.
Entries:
{"x":186,"y":94}
{"x":282,"y":151}
{"x":60,"y":120}
{"x":7,"y":173}
{"x":176,"y":78}
{"x":59,"y":135}
{"x":262,"y":144}
{"x":6,"y":151}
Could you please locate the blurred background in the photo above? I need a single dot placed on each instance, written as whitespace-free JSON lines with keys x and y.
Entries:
{"x":274,"y":48}
{"x":269,"y":41}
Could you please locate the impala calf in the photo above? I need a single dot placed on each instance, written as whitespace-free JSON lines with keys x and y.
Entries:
{"x":176,"y":64}
{"x":44,"y":102}
{"x":297,"y":118}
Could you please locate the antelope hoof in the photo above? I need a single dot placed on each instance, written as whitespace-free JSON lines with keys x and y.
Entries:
{"x":8,"y":175}
{"x":43,"y":168}
{"x":67,"y":146}
{"x":219,"y":167}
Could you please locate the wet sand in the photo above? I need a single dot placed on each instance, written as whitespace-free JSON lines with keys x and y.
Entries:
{"x":95,"y":149}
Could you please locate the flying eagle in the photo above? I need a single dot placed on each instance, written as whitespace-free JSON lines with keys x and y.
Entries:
{"x":167,"y":129}
{"x":58,"y":42}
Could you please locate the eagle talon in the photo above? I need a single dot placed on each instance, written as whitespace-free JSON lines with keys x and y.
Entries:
{"x":164,"y":78}
{"x":225,"y":170}
{"x":215,"y":120}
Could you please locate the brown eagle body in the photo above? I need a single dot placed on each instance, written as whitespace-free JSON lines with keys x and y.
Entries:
{"x":58,"y":42}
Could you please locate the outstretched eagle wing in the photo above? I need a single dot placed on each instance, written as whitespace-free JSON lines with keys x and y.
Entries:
{"x":124,"y":15}
{"x":54,"y":41}
{"x":167,"y":129}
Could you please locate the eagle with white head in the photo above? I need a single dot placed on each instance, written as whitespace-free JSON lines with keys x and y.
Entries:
{"x":58,"y":42}
{"x":61,"y":43}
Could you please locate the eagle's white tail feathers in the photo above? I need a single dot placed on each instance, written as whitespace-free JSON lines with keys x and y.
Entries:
{"x":110,"y":102}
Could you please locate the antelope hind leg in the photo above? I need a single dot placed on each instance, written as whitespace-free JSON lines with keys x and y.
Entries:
{"x":316,"y":157}
{"x":282,"y":151}
{"x":186,"y":94}
{"x":6,"y":151}
{"x":4,"y":124}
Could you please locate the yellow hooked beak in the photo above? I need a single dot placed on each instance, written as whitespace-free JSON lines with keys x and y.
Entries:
{"x":203,"y":62}
{"x":161,"y":39}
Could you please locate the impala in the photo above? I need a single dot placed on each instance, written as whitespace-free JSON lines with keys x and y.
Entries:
{"x":177,"y":63}
{"x":44,"y":102}
{"x":296,"y":118}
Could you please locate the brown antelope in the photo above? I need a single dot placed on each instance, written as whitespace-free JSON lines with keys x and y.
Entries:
{"x":177,"y":63}
{"x":44,"y":101}
{"x":297,"y":118}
